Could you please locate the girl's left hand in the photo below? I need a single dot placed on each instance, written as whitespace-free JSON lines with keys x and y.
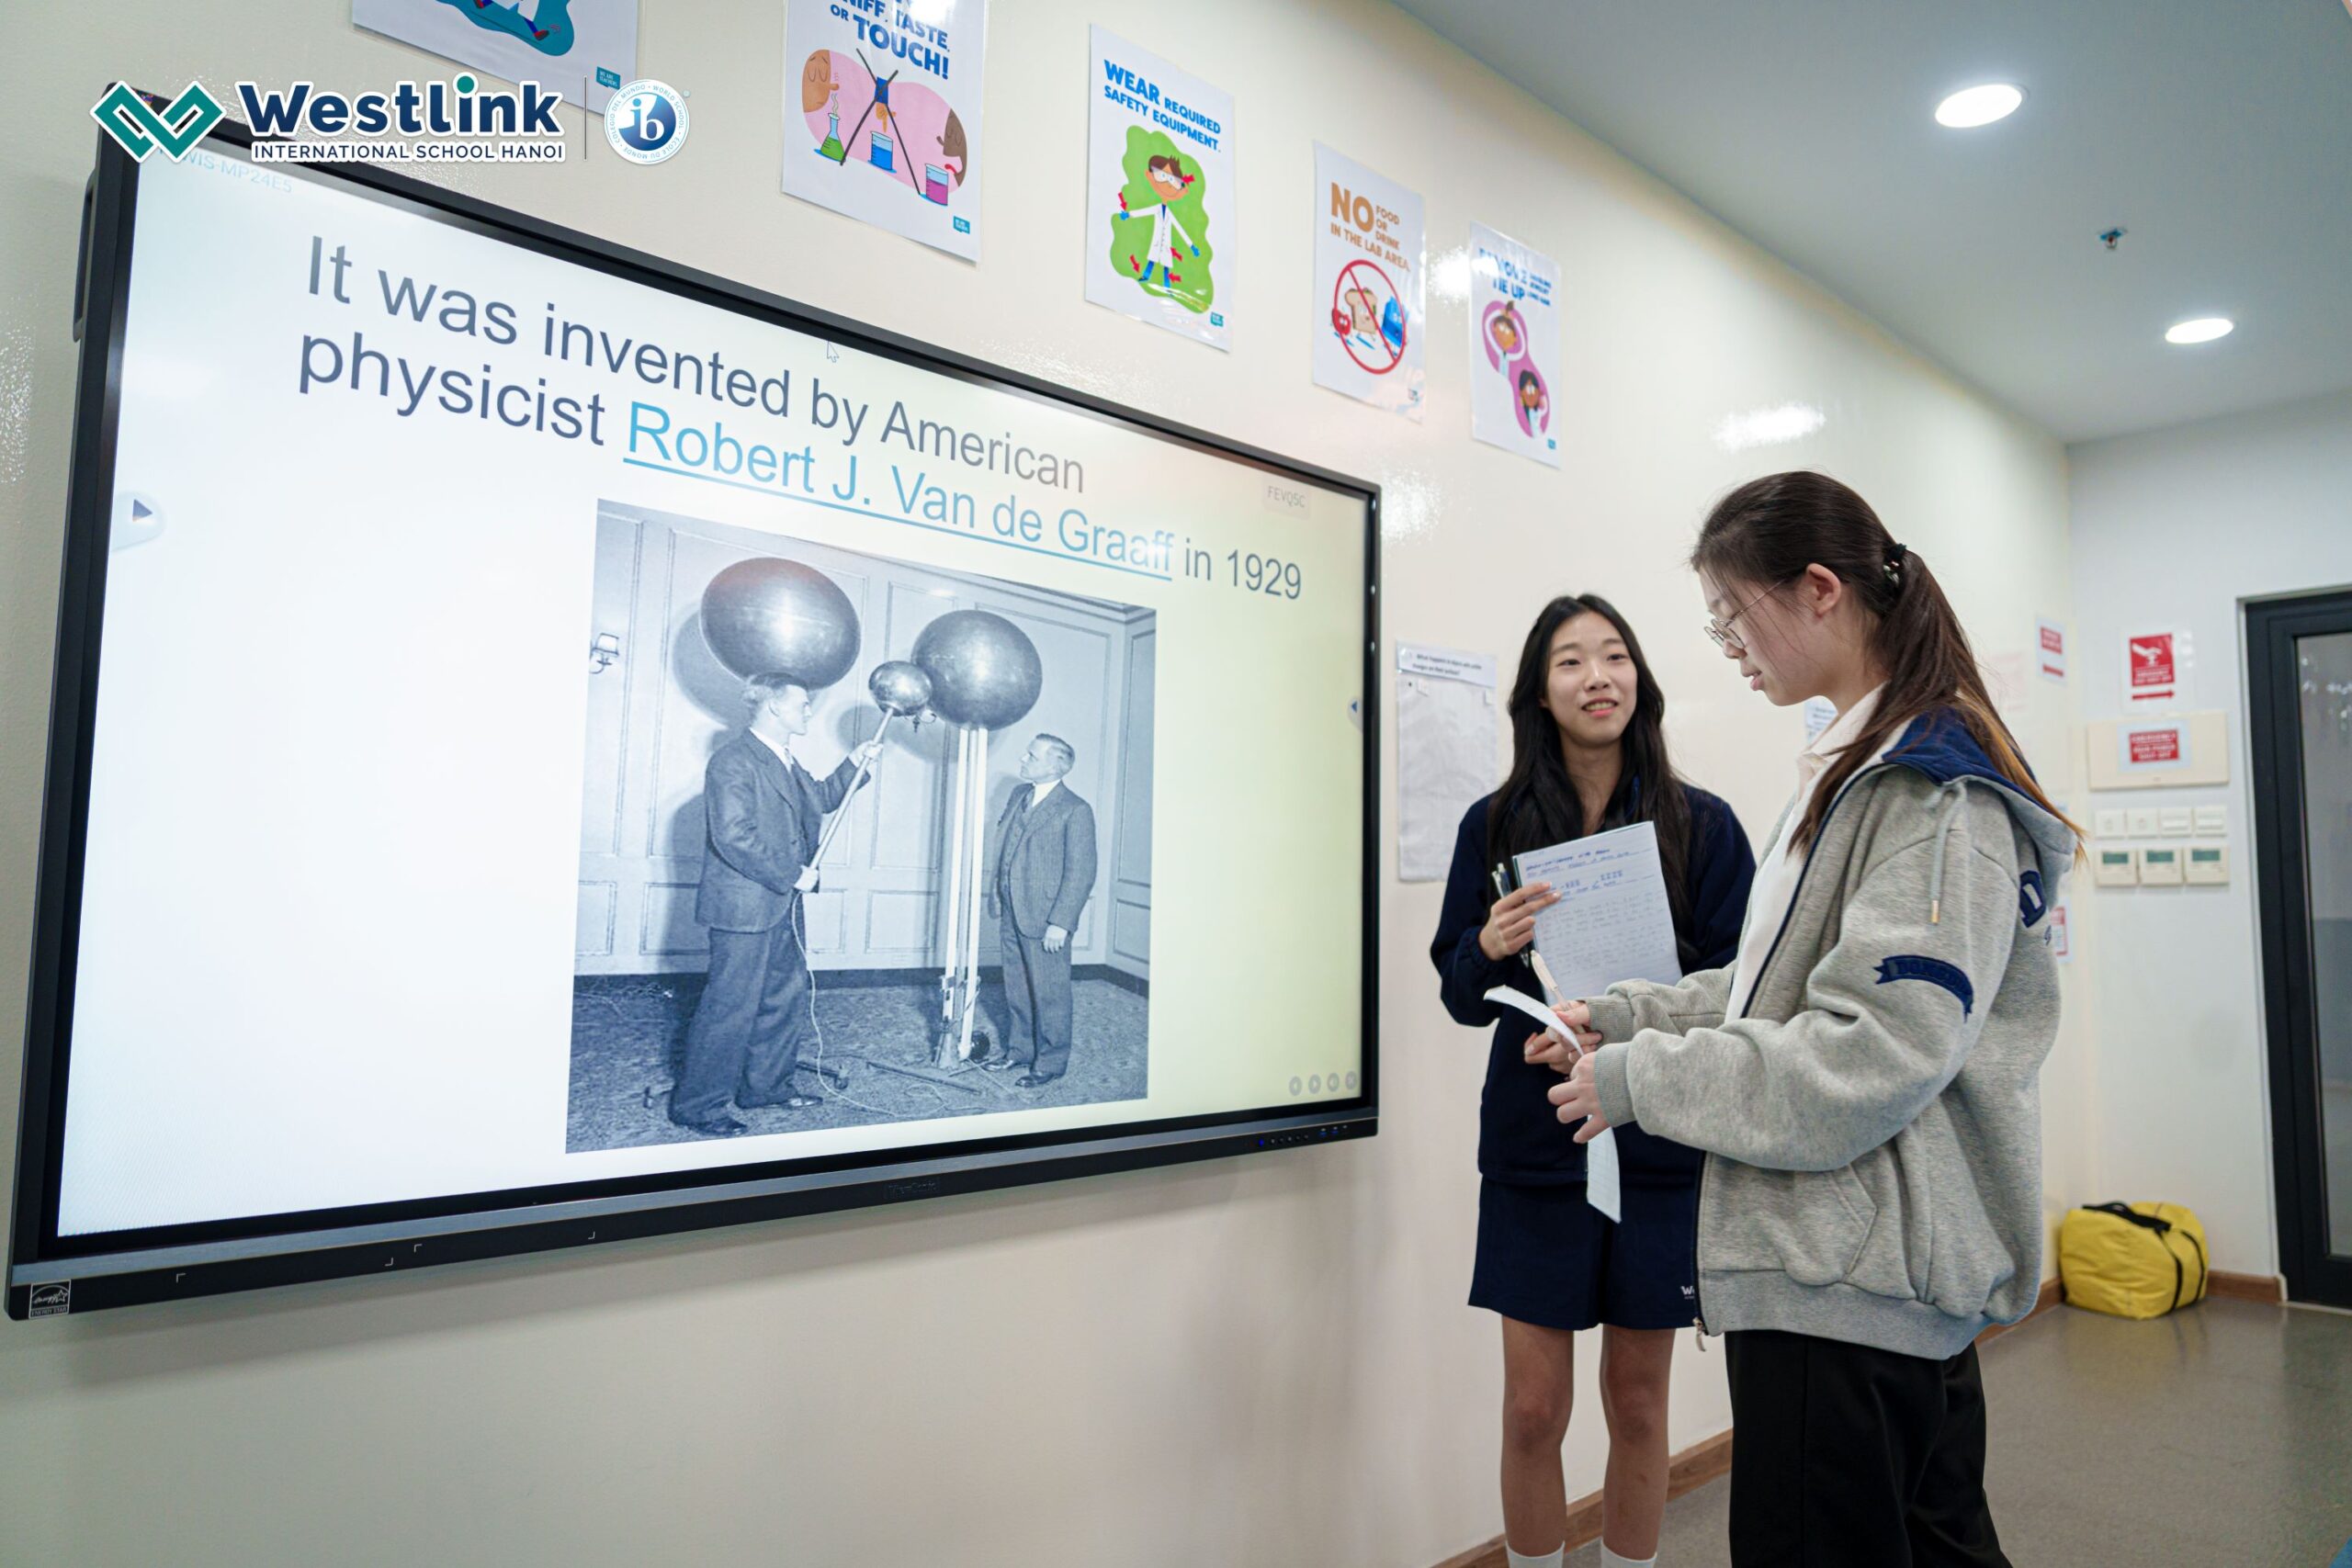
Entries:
{"x":1579,"y":1100}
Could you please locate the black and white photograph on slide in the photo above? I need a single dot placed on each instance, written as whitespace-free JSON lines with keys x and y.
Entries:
{"x":862,"y":840}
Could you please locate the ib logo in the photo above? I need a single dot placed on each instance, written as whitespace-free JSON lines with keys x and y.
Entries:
{"x":139,"y":129}
{"x":646,"y":121}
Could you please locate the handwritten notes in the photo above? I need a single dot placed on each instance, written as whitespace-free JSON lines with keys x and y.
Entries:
{"x":1613,"y":922}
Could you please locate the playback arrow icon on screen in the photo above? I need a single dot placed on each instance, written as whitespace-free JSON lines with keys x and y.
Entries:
{"x":137,"y":519}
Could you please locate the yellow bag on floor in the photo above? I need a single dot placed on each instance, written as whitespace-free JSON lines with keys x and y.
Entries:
{"x":2132,"y":1260}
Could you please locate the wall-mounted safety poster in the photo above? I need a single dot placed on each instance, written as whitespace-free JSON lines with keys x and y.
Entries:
{"x":572,"y":46}
{"x":1159,"y":201}
{"x":2052,"y":636}
{"x":882,"y":114}
{"x":2155,"y":666}
{"x":1514,"y":346}
{"x":1368,"y":265}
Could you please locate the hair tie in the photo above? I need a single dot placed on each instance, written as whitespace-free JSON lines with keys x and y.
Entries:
{"x":1895,"y":556}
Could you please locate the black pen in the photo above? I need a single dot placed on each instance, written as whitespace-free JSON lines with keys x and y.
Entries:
{"x":1502,"y":890}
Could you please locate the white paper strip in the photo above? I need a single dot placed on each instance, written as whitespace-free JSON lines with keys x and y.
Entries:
{"x":1602,"y":1187}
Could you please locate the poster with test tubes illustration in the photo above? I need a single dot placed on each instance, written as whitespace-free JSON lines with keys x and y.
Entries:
{"x":882,"y":114}
{"x":1367,"y":297}
{"x":1514,"y":346}
{"x":1159,"y":206}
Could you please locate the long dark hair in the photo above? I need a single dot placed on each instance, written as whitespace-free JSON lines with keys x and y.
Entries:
{"x":1767,"y":531}
{"x":1538,"y":807}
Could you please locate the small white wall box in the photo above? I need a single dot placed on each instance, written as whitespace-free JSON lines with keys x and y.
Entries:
{"x":2212,"y":818}
{"x":2160,"y":868}
{"x":2209,"y":864}
{"x":2111,"y":823}
{"x":2173,"y":820}
{"x":2116,"y":868}
{"x":2146,"y":821}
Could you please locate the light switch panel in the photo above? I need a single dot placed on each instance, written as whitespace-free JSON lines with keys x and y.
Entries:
{"x":2174,"y":821}
{"x":2212,"y":818}
{"x":2146,"y":822}
{"x":2209,"y":864}
{"x":2110,"y":823}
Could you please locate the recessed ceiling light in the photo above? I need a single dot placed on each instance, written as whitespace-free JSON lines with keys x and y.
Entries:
{"x":2204,"y":329}
{"x":1769,"y":427}
{"x":1973,"y":106}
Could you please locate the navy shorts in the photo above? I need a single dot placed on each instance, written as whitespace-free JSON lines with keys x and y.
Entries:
{"x":1548,"y":1258}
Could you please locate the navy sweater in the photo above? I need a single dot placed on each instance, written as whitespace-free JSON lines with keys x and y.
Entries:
{"x":1520,"y":1140}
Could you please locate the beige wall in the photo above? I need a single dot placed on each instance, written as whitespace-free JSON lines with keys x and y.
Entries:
{"x":1249,"y":1361}
{"x":2178,"y":529}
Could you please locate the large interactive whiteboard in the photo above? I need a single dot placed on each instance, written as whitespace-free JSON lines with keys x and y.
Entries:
{"x":472,"y":633}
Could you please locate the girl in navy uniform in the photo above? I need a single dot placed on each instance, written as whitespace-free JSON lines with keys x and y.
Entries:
{"x":1588,"y":754}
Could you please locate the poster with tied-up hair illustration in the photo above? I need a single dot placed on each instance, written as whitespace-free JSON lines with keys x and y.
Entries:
{"x":1515,"y":345}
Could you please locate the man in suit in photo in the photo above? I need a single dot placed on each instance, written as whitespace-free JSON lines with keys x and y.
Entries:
{"x":1044,"y":875}
{"x":765,"y":813}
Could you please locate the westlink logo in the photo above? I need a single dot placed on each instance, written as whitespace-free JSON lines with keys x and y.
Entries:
{"x":408,"y":109}
{"x":452,"y":121}
{"x":139,"y":129}
{"x":448,"y":121}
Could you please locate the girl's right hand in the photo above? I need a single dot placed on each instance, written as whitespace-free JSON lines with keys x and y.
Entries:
{"x":1576,"y":1019}
{"x":1510,"y":924}
{"x":1560,"y":1048}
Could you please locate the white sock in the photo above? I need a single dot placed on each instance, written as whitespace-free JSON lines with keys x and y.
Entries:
{"x":1611,"y":1560}
{"x":1555,"y":1558}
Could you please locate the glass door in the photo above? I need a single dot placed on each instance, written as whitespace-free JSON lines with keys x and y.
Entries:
{"x":2299,"y":658}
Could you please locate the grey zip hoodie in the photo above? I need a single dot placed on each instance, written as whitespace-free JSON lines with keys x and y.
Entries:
{"x":1872,"y":1121}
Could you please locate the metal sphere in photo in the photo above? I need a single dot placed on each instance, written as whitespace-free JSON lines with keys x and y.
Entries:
{"x":772,"y":616}
{"x":899,"y":687}
{"x":984,"y":669}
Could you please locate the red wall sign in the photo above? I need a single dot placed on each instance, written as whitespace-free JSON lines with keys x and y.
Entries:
{"x":2152,"y":667}
{"x":2156,"y":748}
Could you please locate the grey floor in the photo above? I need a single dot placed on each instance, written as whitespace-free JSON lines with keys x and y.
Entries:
{"x":2222,"y":1434}
{"x":625,"y":1033}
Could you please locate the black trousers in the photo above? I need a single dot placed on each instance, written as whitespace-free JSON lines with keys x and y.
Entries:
{"x":1037,"y":989}
{"x":757,"y":1013}
{"x":1847,"y":1457}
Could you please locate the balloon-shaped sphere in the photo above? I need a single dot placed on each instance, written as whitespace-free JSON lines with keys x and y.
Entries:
{"x":984,"y":669}
{"x":771,"y":616}
{"x":899,"y":687}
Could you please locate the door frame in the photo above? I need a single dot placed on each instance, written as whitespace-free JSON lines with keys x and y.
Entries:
{"x":2282,"y":900}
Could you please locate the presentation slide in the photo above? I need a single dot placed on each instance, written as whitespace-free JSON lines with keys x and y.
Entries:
{"x":552,"y":728}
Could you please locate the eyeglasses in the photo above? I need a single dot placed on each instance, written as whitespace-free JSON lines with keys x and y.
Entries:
{"x":1721,"y":630}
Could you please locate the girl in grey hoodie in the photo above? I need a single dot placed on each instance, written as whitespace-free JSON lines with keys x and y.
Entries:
{"x":1864,"y":1075}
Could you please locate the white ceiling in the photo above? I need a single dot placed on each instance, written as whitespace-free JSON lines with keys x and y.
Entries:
{"x":2217,"y":132}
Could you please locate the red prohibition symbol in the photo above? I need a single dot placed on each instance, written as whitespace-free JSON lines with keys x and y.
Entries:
{"x":1369,"y":317}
